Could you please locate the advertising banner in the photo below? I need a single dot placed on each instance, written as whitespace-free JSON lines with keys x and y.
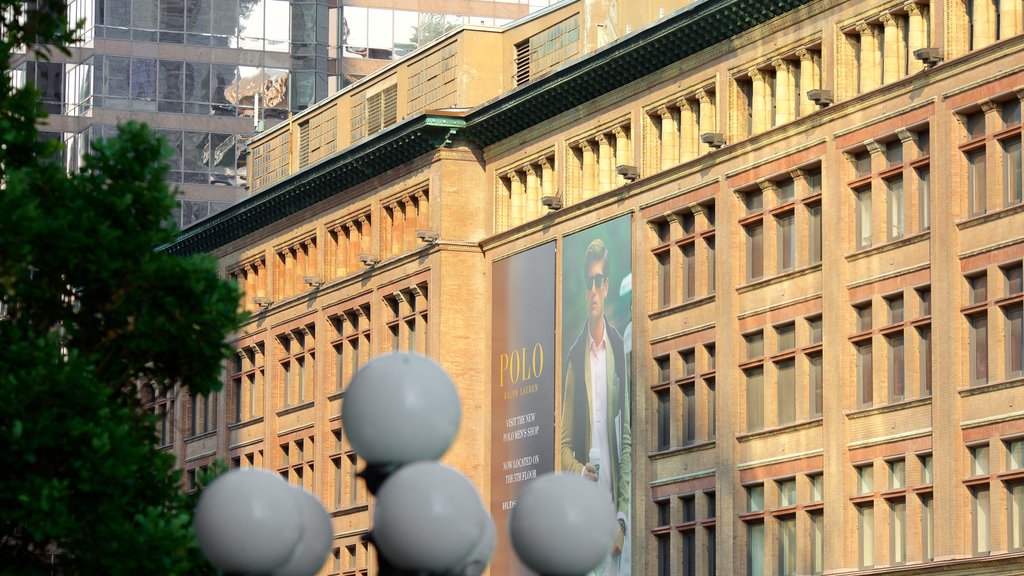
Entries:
{"x":594,"y":422}
{"x":522,"y":385}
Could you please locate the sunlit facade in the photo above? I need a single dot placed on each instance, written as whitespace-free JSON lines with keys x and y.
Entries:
{"x":815,"y":209}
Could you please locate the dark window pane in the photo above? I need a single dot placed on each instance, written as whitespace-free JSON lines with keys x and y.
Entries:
{"x":143,"y":78}
{"x":197,"y":82}
{"x":170,"y":80}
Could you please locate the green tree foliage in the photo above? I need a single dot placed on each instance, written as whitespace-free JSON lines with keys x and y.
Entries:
{"x":89,"y":309}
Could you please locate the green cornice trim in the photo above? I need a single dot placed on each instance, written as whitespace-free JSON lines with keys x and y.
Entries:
{"x":696,"y":27}
{"x":397,"y":145}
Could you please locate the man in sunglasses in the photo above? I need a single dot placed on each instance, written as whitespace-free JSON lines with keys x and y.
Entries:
{"x":594,"y":439}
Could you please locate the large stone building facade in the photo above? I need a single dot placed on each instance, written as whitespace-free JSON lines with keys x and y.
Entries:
{"x":799,"y":406}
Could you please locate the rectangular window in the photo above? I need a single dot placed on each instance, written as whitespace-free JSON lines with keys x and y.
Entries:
{"x":897,"y":474}
{"x":710,"y":267}
{"x":755,"y":251}
{"x":753,"y":201}
{"x":924,"y":215}
{"x":689,"y":271}
{"x":785,"y":335}
{"x":786,"y":393}
{"x":664,"y":555}
{"x":664,"y":369}
{"x":979,"y":348}
{"x":688,"y":508}
{"x":664,"y":511}
{"x":862,"y":164}
{"x":755,"y":549}
{"x":898,"y":531}
{"x":921,"y":137}
{"x":895,"y":305}
{"x":894,"y":153}
{"x":664,"y":280}
{"x":866,"y":535}
{"x":927,"y":546}
{"x":863,"y":199}
{"x":755,"y":345}
{"x":755,"y":498}
{"x":975,"y":125}
{"x":711,"y":508}
{"x":978,"y":286}
{"x":814,"y":329}
{"x":1012,"y":171}
{"x":897,"y":372}
{"x":689,"y":414}
{"x":815,"y":380}
{"x":814,"y":234}
{"x":925,"y":358}
{"x":1016,"y":519}
{"x":817,"y":563}
{"x":1014,"y":279}
{"x":979,"y":460}
{"x":980,"y":520}
{"x":786,"y":242}
{"x":755,"y":399}
{"x":710,"y":390}
{"x":894,"y":207}
{"x":1009,"y":112}
{"x":689,"y":361}
{"x":976,"y":200}
{"x":817,"y":485}
{"x":786,"y":189}
{"x":1014,"y":342}
{"x":865,"y":381}
{"x":664,"y":421}
{"x":926,"y":469}
{"x":866,"y":479}
{"x":709,"y":542}
{"x":787,"y":546}
{"x":924,"y":296}
{"x":689,"y":542}
{"x":1015,"y":456}
{"x":787,"y":493}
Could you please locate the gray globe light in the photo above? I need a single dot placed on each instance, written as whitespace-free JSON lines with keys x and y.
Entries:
{"x":428,"y":518}
{"x":481,"y":555}
{"x":247,"y":522}
{"x":562,"y":524}
{"x":401,"y":408}
{"x":315,"y":543}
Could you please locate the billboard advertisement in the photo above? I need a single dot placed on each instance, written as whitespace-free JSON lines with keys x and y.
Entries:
{"x":594,"y":420}
{"x":523,"y":385}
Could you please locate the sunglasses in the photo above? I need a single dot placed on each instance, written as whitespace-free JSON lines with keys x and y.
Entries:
{"x":595,"y":281}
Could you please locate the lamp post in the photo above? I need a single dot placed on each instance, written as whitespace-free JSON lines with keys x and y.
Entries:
{"x":401,"y":413}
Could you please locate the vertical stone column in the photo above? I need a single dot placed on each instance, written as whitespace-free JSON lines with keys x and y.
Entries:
{"x":758,"y":112}
{"x":785,"y":89}
{"x":984,"y":23}
{"x":915,"y":36}
{"x":517,"y":211}
{"x":532,"y":192}
{"x":689,"y":131}
{"x":869,"y":72}
{"x":706,"y":117}
{"x":287,"y":282}
{"x":622,"y":155}
{"x":807,"y":82}
{"x":589,"y":169}
{"x":547,"y":177}
{"x":669,"y":138}
{"x":911,"y":222}
{"x":258,"y":399}
{"x":1009,"y":18}
{"x":890,"y":65}
{"x":352,"y":261}
{"x":802,"y":244}
{"x":298,"y":283}
{"x":422,"y":211}
{"x":604,"y":163}
{"x":365,"y":235}
{"x":261,"y":277}
{"x":397,"y":229}
{"x":250,"y":285}
{"x":770,"y":258}
{"x":409,"y":208}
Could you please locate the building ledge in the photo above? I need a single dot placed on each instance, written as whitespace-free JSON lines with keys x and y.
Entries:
{"x":891,"y":407}
{"x":677,"y":450}
{"x":779,"y":430}
{"x":991,"y":387}
{"x":778,"y":278}
{"x":888,"y":246}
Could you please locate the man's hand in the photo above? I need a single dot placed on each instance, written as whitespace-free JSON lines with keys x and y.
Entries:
{"x":619,"y":540}
{"x":589,"y":472}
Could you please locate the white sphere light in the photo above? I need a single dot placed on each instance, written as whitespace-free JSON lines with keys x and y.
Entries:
{"x":401,"y":408}
{"x":315,"y":543}
{"x":428,"y":518}
{"x":562,"y":524}
{"x":247,"y":521}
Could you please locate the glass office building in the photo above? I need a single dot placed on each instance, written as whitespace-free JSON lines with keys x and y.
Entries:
{"x":207,"y":73}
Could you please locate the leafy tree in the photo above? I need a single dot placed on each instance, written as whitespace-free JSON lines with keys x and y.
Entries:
{"x":89,"y":309}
